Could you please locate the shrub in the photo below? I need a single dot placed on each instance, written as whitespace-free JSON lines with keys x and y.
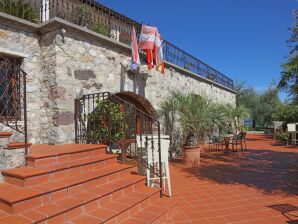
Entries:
{"x":19,"y":9}
{"x":106,"y":123}
{"x":284,"y":136}
{"x":81,"y":15}
{"x":287,"y":113}
{"x":100,"y":28}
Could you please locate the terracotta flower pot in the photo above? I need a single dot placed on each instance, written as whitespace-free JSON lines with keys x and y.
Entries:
{"x":191,"y":155}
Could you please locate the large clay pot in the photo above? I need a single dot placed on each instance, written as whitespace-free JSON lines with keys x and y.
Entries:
{"x":192,"y":155}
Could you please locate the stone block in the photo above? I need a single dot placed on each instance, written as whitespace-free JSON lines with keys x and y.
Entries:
{"x":84,"y":74}
{"x":64,"y":118}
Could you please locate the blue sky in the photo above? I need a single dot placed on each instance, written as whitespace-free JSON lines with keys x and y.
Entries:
{"x":243,"y":39}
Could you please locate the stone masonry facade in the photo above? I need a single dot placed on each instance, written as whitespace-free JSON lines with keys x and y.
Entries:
{"x":64,"y":62}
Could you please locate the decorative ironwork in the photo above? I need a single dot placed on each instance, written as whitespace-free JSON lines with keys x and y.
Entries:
{"x":95,"y":116}
{"x":94,"y":16}
{"x":184,"y":60}
{"x":13,"y":111}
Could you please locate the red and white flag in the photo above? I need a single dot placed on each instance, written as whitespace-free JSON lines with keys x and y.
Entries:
{"x":159,"y":54}
{"x":150,"y":41}
{"x":135,"y":58}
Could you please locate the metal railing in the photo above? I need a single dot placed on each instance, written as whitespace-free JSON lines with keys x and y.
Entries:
{"x":185,"y":60}
{"x":13,"y":106}
{"x":100,"y":19}
{"x":108,"y":119}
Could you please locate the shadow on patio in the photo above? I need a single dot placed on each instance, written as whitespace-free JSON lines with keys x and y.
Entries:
{"x":267,"y":170}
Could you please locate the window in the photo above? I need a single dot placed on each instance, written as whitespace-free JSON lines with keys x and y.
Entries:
{"x":9,"y":87}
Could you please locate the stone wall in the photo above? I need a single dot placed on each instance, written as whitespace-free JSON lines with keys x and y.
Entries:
{"x":19,"y":43}
{"x":65,"y":64}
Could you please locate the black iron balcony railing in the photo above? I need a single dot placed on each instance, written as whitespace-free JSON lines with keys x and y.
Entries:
{"x":185,"y":60}
{"x":98,"y":18}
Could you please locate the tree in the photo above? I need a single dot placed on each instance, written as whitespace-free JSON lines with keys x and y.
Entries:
{"x":287,"y":113}
{"x":289,"y":78}
{"x":289,"y":75}
{"x":236,"y":115}
{"x":168,"y":114}
{"x":261,"y":105}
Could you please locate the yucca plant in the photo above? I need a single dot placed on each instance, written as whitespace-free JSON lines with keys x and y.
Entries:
{"x":168,"y":115}
{"x":19,"y":9}
{"x":194,"y":114}
{"x":236,"y":115}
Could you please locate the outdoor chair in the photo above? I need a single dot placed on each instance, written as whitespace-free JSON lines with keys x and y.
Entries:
{"x":238,"y":140}
{"x":215,"y":143}
{"x":292,"y":130}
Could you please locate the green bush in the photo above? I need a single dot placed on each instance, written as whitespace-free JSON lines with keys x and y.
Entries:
{"x":106,"y":123}
{"x":81,"y":15}
{"x":287,"y":113}
{"x":284,"y":136}
{"x":19,"y":9}
{"x":100,"y":28}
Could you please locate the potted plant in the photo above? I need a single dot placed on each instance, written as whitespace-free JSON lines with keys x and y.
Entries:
{"x":192,"y":119}
{"x":195,"y":116}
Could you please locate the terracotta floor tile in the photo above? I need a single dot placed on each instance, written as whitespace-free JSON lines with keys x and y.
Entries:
{"x":15,"y":220}
{"x":146,"y":216}
{"x":86,"y":219}
{"x":68,"y":202}
{"x":193,"y":216}
{"x":132,"y":221}
{"x":50,"y":210}
{"x":115,"y":206}
{"x":237,"y":187}
{"x":34,"y":215}
{"x":103,"y":214}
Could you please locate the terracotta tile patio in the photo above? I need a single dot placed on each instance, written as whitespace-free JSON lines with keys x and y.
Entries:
{"x":252,"y":188}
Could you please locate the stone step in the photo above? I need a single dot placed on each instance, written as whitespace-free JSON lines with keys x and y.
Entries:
{"x":5,"y":134}
{"x":156,"y":212}
{"x":120,"y":208}
{"x":81,"y":202}
{"x":46,"y":155}
{"x":74,"y":184}
{"x":14,"y":199}
{"x":30,"y":176}
{"x":18,"y":145}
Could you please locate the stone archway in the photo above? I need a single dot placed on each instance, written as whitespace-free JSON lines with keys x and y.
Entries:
{"x":138,"y":122}
{"x":139,"y":102}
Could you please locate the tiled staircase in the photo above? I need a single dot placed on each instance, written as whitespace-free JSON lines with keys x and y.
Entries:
{"x":12,"y":153}
{"x":78,"y":184}
{"x":5,"y":137}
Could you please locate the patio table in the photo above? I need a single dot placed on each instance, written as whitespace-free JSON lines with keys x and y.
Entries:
{"x":226,"y":141}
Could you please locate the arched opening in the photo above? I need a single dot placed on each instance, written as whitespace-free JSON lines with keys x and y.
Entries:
{"x":139,"y":102}
{"x":139,"y":124}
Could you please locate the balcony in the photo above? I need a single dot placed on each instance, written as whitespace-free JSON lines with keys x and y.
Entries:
{"x":100,"y":19}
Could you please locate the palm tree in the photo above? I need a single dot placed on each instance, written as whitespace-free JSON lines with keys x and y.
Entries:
{"x":289,"y":78}
{"x":192,"y":116}
{"x":168,"y":115}
{"x":197,"y":115}
{"x":236,"y":115}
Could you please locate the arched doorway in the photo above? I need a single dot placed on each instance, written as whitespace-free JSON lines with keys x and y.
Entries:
{"x":138,"y":124}
{"x":139,"y":102}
